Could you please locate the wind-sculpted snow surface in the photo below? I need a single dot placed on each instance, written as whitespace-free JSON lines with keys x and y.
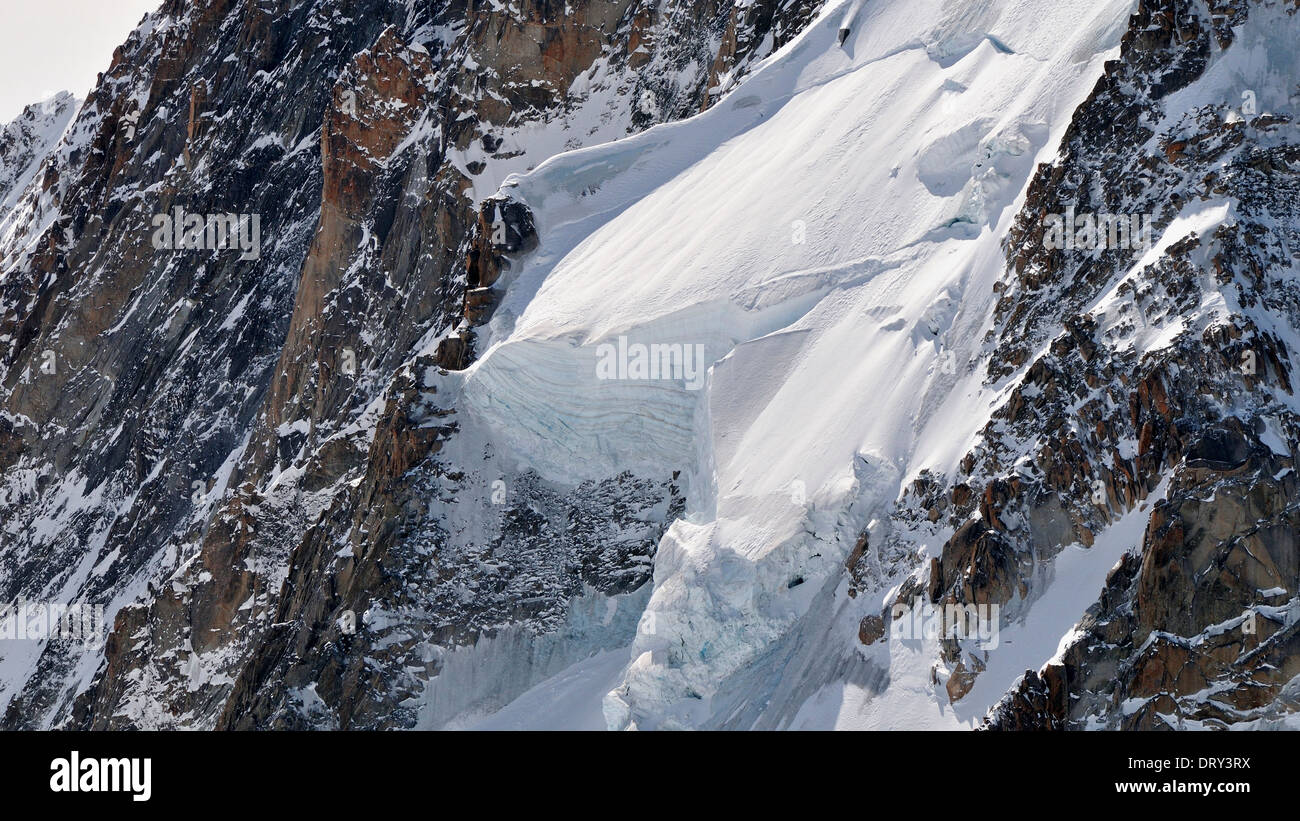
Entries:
{"x":829,"y":234}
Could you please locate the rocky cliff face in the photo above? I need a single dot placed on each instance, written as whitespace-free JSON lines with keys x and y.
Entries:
{"x":26,"y":140}
{"x":1194,"y":436}
{"x":231,"y":448}
{"x":247,"y":447}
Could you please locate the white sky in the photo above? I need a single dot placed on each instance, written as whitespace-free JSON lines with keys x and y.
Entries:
{"x":47,"y":46}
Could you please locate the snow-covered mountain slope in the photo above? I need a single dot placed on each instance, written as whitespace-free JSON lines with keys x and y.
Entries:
{"x":548,"y":404}
{"x":831,"y":237}
{"x":26,"y":140}
{"x":1196,"y":626}
{"x":181,"y":428}
{"x":827,"y":235}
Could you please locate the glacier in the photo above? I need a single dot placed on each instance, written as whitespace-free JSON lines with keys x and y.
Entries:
{"x":830,"y":234}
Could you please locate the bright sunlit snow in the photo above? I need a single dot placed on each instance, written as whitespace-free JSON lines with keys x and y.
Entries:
{"x":829,"y":232}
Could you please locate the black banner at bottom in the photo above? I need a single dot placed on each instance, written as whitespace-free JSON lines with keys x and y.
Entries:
{"x":170,"y":772}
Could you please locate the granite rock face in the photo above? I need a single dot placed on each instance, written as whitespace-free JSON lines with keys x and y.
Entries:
{"x":1194,"y":626}
{"x":1180,"y":455}
{"x":27,"y":139}
{"x":228,"y":446}
{"x":236,"y":438}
